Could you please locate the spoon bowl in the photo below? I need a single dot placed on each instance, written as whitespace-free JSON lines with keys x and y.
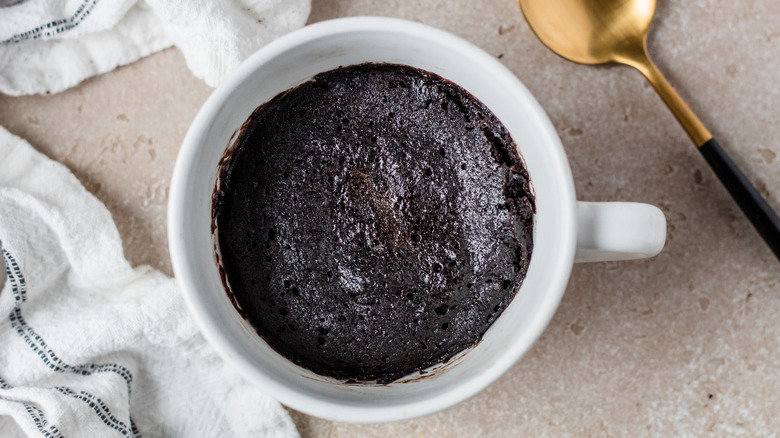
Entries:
{"x":591,"y":32}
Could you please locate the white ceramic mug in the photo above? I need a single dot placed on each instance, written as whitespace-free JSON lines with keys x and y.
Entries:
{"x":565,"y":231}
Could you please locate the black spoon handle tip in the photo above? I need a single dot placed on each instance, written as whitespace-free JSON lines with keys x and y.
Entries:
{"x":747,"y":197}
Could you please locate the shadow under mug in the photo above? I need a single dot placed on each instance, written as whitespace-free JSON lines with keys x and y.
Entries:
{"x":565,"y":231}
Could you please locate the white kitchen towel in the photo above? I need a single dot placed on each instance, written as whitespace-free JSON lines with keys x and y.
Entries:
{"x":47,"y":46}
{"x":92,"y":347}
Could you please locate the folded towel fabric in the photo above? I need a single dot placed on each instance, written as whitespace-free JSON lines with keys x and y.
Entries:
{"x":47,"y":46}
{"x":92,"y":347}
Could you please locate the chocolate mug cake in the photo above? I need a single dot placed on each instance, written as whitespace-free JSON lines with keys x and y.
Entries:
{"x":373,"y":221}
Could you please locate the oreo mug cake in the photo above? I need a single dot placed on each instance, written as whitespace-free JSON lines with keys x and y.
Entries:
{"x":396,"y":225}
{"x":372,"y":222}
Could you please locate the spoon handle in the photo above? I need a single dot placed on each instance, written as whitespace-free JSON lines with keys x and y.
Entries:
{"x":747,"y":197}
{"x":751,"y":202}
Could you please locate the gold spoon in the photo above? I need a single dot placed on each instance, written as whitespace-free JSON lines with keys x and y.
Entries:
{"x":615,"y":31}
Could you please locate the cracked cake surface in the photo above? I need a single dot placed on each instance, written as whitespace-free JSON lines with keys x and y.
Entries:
{"x":373,"y":221}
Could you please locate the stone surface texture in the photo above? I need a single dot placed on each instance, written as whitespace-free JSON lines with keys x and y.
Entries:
{"x":685,"y":344}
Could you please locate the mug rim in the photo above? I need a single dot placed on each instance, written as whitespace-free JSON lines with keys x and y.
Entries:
{"x":183,"y":265}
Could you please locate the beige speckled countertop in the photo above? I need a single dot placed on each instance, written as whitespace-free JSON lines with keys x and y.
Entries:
{"x":686,"y":344}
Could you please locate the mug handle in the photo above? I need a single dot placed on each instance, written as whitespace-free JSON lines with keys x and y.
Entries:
{"x":609,"y":231}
